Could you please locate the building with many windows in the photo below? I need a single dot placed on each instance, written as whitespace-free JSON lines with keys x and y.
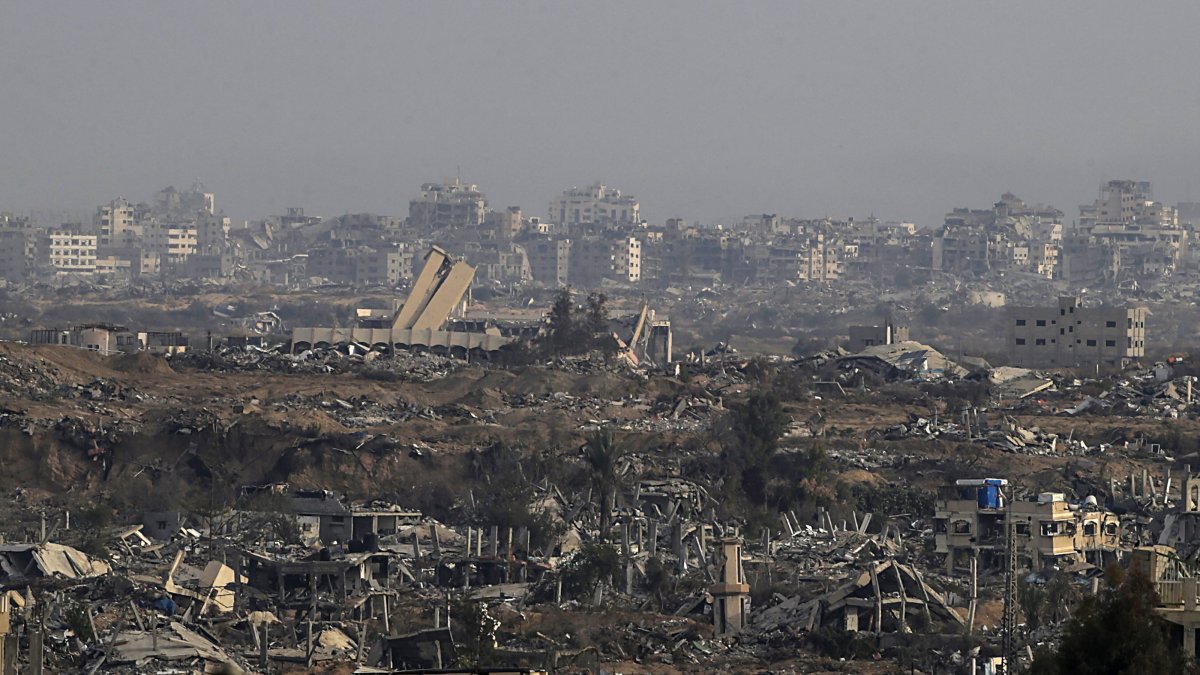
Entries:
{"x":449,"y":204}
{"x":972,"y":515}
{"x":595,"y":204}
{"x":71,"y":252}
{"x":1069,"y":335}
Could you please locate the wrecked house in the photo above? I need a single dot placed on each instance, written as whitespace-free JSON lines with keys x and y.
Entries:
{"x":321,"y":516}
{"x":176,"y":644}
{"x":885,"y":597}
{"x":971,"y":517}
{"x":161,"y":525}
{"x":21,"y":564}
{"x":427,"y":649}
{"x":321,"y":584}
{"x":904,"y":361}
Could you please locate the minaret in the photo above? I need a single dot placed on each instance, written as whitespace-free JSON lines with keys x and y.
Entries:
{"x":731,"y":596}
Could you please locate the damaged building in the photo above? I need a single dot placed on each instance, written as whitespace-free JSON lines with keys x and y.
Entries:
{"x":972,"y":515}
{"x":420,"y":323}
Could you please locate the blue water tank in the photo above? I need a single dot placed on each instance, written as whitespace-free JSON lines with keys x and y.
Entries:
{"x":989,"y":496}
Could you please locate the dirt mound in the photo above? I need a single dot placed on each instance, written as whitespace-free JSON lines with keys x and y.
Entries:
{"x":454,"y":388}
{"x":861,"y":477}
{"x":141,"y":363}
{"x":64,"y":360}
{"x":485,"y":398}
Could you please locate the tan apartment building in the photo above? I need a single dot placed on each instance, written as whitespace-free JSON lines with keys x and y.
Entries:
{"x":113,"y":221}
{"x":1069,"y":335}
{"x":448,"y":204}
{"x":593,"y":259}
{"x":971,"y":516}
{"x":549,"y":260}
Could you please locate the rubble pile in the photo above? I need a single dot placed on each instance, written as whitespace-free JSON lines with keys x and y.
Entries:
{"x":407,"y":366}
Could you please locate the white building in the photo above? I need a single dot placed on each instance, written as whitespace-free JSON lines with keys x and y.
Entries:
{"x":71,"y":252}
{"x":595,"y":204}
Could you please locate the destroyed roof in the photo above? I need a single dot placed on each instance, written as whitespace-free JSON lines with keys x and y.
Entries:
{"x":22,"y":561}
{"x":886,"y":583}
{"x":178,"y":643}
{"x":911,"y":357}
{"x":1014,"y":382}
{"x":315,"y":504}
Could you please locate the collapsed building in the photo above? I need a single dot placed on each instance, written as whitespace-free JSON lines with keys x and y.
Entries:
{"x":420,"y":324}
{"x":433,"y":318}
{"x":904,"y":360}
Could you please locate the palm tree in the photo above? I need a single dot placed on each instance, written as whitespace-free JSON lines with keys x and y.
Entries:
{"x":602,"y":454}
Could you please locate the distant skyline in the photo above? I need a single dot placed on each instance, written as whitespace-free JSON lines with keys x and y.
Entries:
{"x":705,"y":111}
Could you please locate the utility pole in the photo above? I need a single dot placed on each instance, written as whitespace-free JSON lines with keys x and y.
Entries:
{"x":1008,"y":626}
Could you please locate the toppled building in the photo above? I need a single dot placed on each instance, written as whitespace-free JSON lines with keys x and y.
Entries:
{"x":420,"y":323}
{"x":971,"y":517}
{"x":884,"y":596}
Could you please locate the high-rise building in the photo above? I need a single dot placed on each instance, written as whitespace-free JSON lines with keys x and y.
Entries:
{"x":596,"y":204}
{"x":449,"y":204}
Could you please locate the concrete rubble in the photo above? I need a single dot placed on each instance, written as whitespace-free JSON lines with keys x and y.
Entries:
{"x":345,"y":554}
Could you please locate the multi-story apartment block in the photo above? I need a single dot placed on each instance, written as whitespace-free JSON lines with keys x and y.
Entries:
{"x":1009,"y":236}
{"x":504,"y":263}
{"x":1120,"y":202}
{"x":595,"y":258}
{"x":449,"y":204}
{"x":71,"y":252}
{"x":596,"y":204}
{"x":549,"y":260}
{"x":184,"y":204}
{"x":360,"y":265}
{"x":1070,"y":336}
{"x":1142,"y":237}
{"x":796,"y":258}
{"x":971,"y":518}
{"x":115,"y":222}
{"x":212,"y":234}
{"x":505,"y":224}
{"x":627,"y":259}
{"x":181,"y":243}
{"x":18,"y":248}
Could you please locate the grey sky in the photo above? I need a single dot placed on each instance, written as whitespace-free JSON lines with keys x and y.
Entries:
{"x":703,"y":110}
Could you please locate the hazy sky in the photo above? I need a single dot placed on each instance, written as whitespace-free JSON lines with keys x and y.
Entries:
{"x":706,"y":111}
